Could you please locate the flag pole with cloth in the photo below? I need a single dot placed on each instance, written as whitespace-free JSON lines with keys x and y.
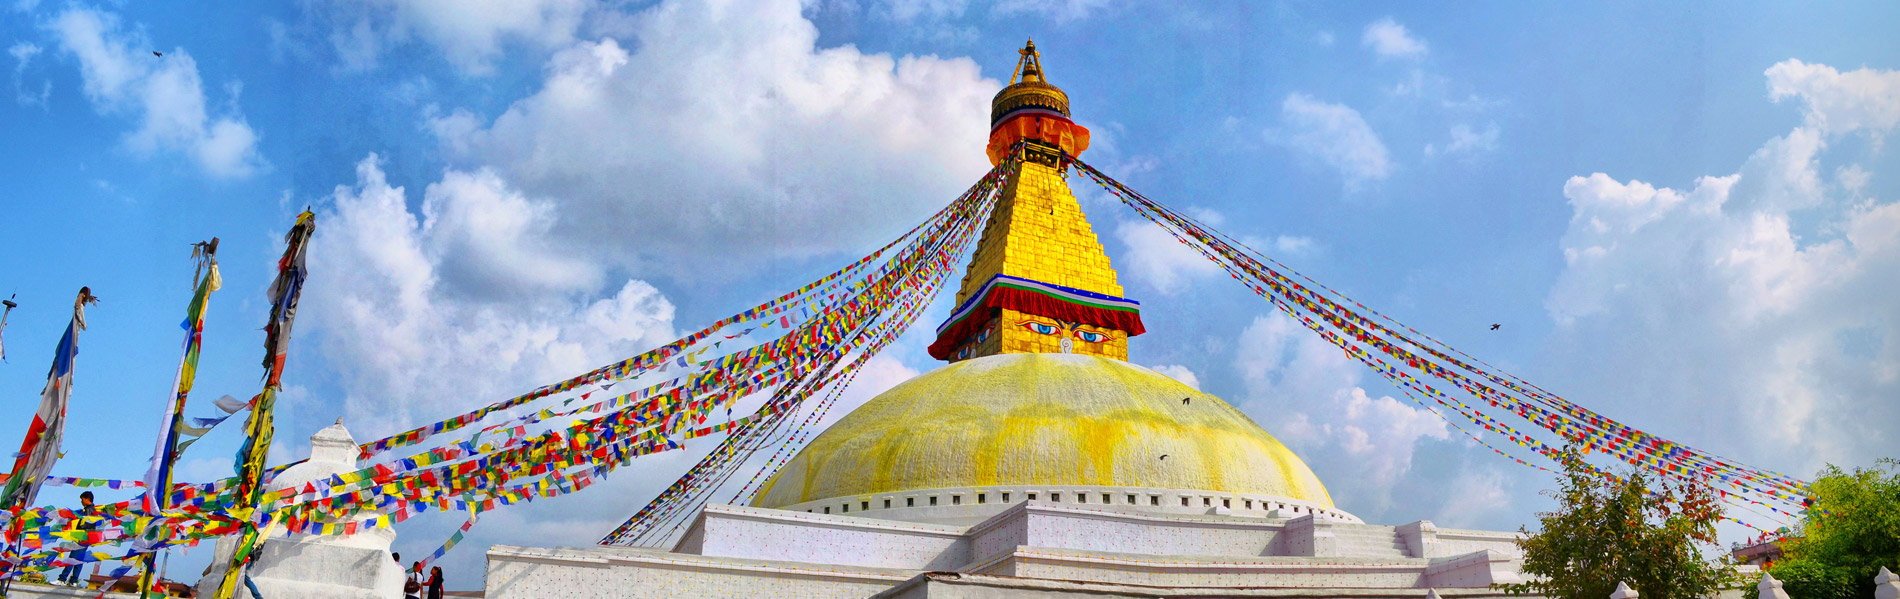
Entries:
{"x":3,"y":324}
{"x":158,"y":477}
{"x":43,"y":435}
{"x":258,"y":431}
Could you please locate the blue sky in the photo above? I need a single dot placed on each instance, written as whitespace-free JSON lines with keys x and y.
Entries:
{"x":1683,"y":217}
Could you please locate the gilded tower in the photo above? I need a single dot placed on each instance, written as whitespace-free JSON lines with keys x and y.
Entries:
{"x":1038,"y":281}
{"x":1039,"y":399}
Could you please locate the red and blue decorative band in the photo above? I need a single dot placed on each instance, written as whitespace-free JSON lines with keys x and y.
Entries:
{"x":1040,"y":299}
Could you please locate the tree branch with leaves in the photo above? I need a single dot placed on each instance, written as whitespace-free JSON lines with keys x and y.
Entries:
{"x":1608,"y":528}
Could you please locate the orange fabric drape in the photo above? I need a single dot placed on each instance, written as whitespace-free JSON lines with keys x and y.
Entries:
{"x":1052,"y":130}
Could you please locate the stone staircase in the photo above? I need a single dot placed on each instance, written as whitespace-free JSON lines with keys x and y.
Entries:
{"x":1365,"y":540}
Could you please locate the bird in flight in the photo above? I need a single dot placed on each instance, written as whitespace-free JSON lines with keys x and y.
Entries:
{"x":1184,"y":400}
{"x":1164,"y":456}
{"x":1494,"y":326}
{"x":156,"y":53}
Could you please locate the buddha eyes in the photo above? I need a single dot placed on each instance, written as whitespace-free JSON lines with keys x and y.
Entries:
{"x":1043,"y":328}
{"x":1040,"y":328}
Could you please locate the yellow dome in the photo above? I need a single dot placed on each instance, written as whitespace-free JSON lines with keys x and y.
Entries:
{"x":1042,"y":419}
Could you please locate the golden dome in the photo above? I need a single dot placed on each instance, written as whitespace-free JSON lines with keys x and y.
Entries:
{"x":1028,"y":89}
{"x":1042,"y":419}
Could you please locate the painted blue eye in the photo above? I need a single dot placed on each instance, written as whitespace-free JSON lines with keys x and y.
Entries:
{"x":1040,"y":328}
{"x":1091,"y":337}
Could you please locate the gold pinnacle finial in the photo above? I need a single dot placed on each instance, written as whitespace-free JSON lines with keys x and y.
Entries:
{"x":1029,"y":67}
{"x":1028,"y":88}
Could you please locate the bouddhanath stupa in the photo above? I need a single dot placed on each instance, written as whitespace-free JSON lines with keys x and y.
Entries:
{"x":1038,"y":462}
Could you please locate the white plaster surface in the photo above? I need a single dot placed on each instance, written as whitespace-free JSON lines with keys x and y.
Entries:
{"x":29,"y":590}
{"x":764,"y":534}
{"x":952,"y":585}
{"x":1218,"y":571}
{"x":1459,"y":542}
{"x":1886,"y":584}
{"x":734,"y":551}
{"x":589,"y":572}
{"x":1769,"y":588}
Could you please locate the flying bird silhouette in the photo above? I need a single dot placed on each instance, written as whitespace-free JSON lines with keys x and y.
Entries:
{"x":156,"y":53}
{"x":1184,"y":401}
{"x":1164,"y":456}
{"x":1494,"y":326}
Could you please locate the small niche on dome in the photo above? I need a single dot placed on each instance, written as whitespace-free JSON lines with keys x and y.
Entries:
{"x":982,"y":498}
{"x":910,"y":502}
{"x":864,"y":505}
{"x":1006,"y":497}
{"x":1154,"y":500}
{"x":1131,"y":499}
{"x":933,"y":500}
{"x":956,"y":500}
{"x":1055,"y":497}
{"x":827,"y":509}
{"x":1105,"y":499}
{"x":1227,"y":503}
{"x":887,"y":504}
{"x":1032,"y":496}
{"x":1207,"y":502}
{"x":1183,"y":502}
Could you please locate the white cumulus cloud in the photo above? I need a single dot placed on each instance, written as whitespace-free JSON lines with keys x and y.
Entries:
{"x":725,"y":135}
{"x":1466,"y":140}
{"x":1755,"y":301}
{"x":1180,"y":373}
{"x":1389,"y":39}
{"x":1155,"y":258}
{"x":23,"y":53}
{"x":409,"y":345}
{"x":1159,"y":260}
{"x":1476,"y":499}
{"x":165,"y":93}
{"x":1333,"y":134}
{"x":1308,"y":392}
{"x":470,"y":34}
{"x":1837,"y":103}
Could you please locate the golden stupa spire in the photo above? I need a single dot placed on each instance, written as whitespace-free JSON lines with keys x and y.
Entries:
{"x":1029,"y":67}
{"x":1039,"y":281}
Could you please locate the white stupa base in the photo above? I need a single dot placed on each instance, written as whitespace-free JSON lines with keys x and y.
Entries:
{"x":317,"y":567}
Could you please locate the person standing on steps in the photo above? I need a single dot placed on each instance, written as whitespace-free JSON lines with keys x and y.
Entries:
{"x":248,"y":561}
{"x":82,"y":520}
{"x":412,"y":587}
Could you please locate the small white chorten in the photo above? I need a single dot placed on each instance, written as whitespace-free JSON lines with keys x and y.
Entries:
{"x":301,"y":566}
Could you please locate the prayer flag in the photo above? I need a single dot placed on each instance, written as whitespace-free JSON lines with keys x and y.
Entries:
{"x":259,"y":429}
{"x":41,"y":447}
{"x":158,"y":476}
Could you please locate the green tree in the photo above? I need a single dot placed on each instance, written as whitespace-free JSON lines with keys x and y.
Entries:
{"x":1623,"y":529}
{"x":1852,"y":529}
